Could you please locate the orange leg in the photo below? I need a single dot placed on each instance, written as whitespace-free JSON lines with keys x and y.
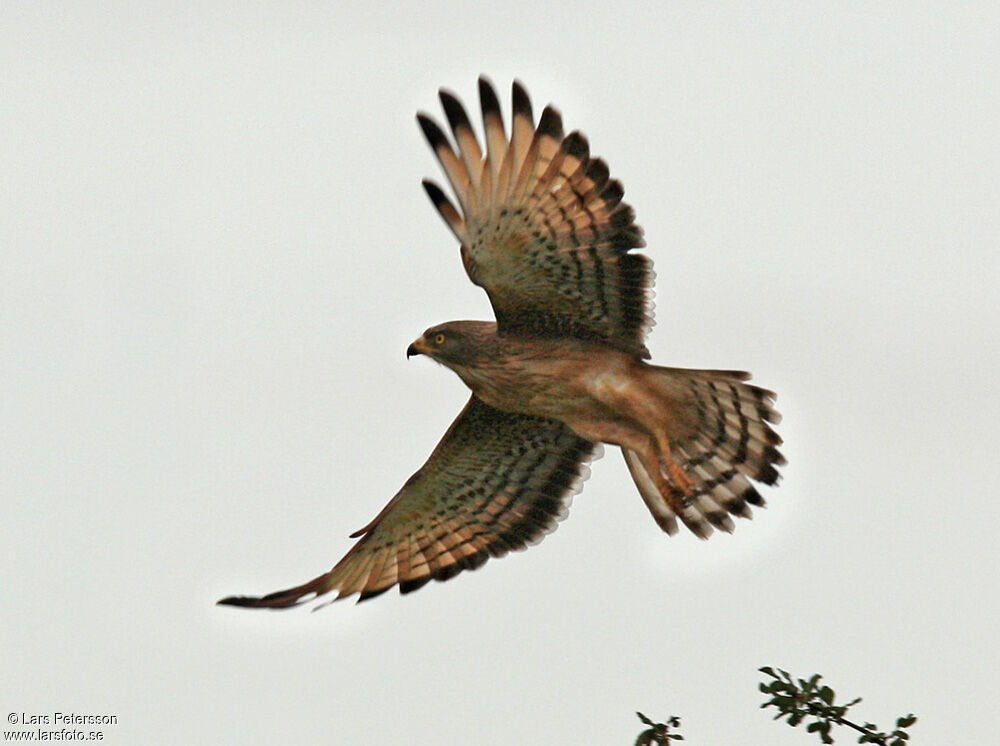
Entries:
{"x":649,"y":412}
{"x":680,"y":478}
{"x":676,"y":490}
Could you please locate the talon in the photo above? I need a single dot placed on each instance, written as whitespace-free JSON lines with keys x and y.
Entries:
{"x":673,"y":483}
{"x":678,"y":501}
{"x":680,"y":478}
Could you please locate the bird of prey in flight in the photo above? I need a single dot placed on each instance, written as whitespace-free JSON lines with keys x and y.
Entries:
{"x":543,"y":230}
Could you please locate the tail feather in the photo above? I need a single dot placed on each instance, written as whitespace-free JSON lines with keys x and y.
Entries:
{"x":727,"y":442}
{"x":658,"y":507}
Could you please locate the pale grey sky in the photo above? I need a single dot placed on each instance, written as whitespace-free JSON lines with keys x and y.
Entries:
{"x":216,"y":250}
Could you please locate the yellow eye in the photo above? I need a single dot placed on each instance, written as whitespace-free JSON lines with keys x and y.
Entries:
{"x":439,"y":339}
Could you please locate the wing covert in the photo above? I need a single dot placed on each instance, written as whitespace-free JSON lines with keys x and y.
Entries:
{"x":542,"y":226}
{"x":496,"y":482}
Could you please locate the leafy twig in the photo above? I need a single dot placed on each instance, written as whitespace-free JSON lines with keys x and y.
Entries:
{"x":798,"y":699}
{"x":658,"y":734}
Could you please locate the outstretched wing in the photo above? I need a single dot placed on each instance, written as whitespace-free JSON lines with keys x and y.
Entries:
{"x":542,"y":226}
{"x":496,"y":482}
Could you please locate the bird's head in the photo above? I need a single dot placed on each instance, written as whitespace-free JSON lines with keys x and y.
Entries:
{"x":455,"y":343}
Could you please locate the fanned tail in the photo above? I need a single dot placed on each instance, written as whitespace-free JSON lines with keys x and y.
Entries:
{"x":730,"y":442}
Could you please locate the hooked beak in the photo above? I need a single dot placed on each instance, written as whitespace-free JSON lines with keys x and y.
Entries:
{"x":419,"y":347}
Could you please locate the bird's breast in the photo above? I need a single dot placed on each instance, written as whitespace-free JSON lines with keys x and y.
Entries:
{"x":546,"y":378}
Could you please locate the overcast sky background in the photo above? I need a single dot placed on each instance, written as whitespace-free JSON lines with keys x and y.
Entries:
{"x":216,"y":250}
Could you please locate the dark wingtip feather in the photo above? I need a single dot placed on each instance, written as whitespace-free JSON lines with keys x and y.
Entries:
{"x":365,"y":595}
{"x":451,"y":216}
{"x":447,"y":572}
{"x":622,"y":217}
{"x":612,"y":193}
{"x":597,"y":172}
{"x":550,"y":123}
{"x":276,"y":600}
{"x":408,"y":586}
{"x":439,"y":198}
{"x":521,"y":101}
{"x":279,"y":599}
{"x":475,"y":561}
{"x":238,"y":601}
{"x":576,"y":145}
{"x":454,"y":110}
{"x":488,"y":100}
{"x":432,"y":132}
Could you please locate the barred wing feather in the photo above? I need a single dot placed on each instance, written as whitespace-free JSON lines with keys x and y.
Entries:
{"x":541,"y":224}
{"x":496,"y":482}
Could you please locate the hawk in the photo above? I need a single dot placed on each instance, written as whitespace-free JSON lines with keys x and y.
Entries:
{"x":543,"y":230}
